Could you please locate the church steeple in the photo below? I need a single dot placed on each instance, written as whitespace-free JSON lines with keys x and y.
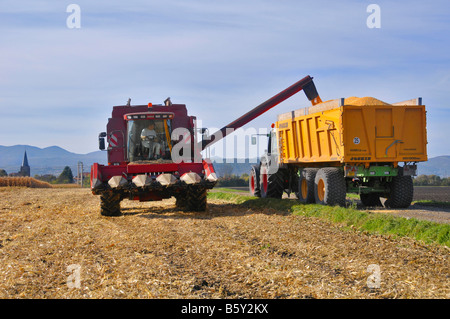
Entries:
{"x":25,"y":168}
{"x":25,"y":160}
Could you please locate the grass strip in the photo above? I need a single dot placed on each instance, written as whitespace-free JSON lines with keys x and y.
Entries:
{"x":230,"y":196}
{"x":426,"y":231}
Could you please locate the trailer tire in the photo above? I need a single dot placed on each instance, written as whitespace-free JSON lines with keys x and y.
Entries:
{"x":253,"y":182}
{"x":271,"y":184}
{"x":196,"y":199}
{"x":329,"y":187}
{"x":306,"y":185}
{"x":401,"y":194}
{"x":110,"y":204}
{"x":370,"y":200}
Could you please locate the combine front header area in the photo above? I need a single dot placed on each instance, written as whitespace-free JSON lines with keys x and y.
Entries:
{"x":153,"y":153}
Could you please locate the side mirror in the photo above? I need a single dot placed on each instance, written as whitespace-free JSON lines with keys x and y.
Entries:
{"x":101,"y":140}
{"x":204,"y":132}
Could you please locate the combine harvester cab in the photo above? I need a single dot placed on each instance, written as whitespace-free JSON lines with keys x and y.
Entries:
{"x":354,"y":145}
{"x":153,"y":153}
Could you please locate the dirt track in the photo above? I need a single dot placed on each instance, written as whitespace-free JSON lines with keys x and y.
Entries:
{"x":156,"y":251}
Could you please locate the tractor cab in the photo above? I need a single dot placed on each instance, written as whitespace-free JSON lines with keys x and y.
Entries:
{"x":148,"y":136}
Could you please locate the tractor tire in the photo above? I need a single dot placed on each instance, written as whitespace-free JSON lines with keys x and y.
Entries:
{"x":329,"y":187}
{"x":306,"y":185}
{"x":271,"y":184}
{"x":253,"y":182}
{"x":110,"y":204}
{"x":401,"y":194}
{"x":370,"y":200}
{"x":196,"y":199}
{"x":180,"y":201}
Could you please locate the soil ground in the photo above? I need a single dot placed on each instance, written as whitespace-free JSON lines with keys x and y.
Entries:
{"x":50,"y":236}
{"x":435,"y":213}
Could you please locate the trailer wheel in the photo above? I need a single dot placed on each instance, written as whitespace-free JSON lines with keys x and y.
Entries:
{"x":370,"y":200}
{"x":196,"y":199}
{"x":306,"y":185}
{"x":329,"y":187}
{"x":402,"y":192}
{"x":253,"y":182}
{"x":110,"y":204}
{"x":271,"y":184}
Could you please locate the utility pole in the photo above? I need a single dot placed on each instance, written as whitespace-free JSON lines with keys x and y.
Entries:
{"x":80,"y":173}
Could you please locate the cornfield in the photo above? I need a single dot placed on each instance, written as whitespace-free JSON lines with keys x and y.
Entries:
{"x":23,"y":181}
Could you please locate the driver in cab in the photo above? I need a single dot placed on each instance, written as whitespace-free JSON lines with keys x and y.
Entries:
{"x":150,"y":141}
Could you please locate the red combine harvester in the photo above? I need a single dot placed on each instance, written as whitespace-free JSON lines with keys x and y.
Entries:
{"x":153,"y":153}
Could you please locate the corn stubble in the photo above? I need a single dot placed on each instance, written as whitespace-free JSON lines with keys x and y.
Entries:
{"x":23,"y":182}
{"x":157,"y":251}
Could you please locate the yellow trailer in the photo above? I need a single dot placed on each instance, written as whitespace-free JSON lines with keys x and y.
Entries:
{"x":359,"y":145}
{"x":357,"y":131}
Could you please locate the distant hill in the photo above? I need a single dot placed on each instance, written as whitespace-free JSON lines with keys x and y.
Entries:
{"x":49,"y":160}
{"x":439,"y":165}
{"x":53,"y":159}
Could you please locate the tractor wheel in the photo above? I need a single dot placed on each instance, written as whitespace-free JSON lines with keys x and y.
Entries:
{"x":253,"y":182}
{"x":196,"y":199}
{"x":271,"y":184}
{"x":110,"y":204}
{"x":329,"y":187}
{"x":180,"y":201}
{"x":370,"y":200}
{"x":402,"y":192}
{"x":306,"y":185}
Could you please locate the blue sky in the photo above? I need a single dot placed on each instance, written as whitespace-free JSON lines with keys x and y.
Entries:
{"x":220,"y":58}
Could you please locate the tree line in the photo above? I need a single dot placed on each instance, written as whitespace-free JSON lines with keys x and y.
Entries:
{"x":431,"y":180}
{"x":233,"y":180}
{"x":66,"y":177}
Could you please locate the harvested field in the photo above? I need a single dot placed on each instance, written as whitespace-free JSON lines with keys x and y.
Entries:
{"x":436,"y":193}
{"x":157,"y":251}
